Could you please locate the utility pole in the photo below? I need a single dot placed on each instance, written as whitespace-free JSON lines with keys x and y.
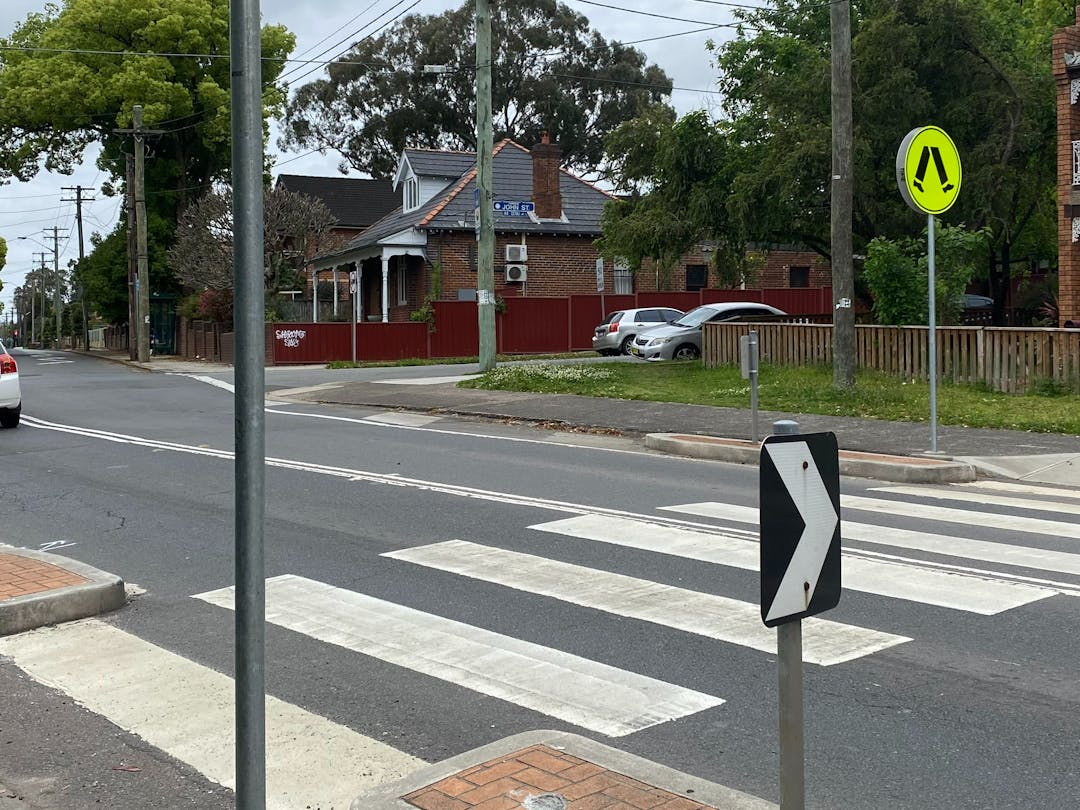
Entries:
{"x":142,"y":273}
{"x":39,"y":257}
{"x":140,"y":236}
{"x":485,"y":253}
{"x":79,"y":199}
{"x":56,"y":278}
{"x":133,"y":332}
{"x":843,"y":270}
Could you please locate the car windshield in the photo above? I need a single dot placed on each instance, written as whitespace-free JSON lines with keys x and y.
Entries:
{"x":695,"y":317}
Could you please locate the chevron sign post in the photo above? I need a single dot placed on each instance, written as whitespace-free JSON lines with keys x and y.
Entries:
{"x":800,"y":526}
{"x":800,"y":570}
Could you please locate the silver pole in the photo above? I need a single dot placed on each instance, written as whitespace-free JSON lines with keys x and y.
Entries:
{"x":354,"y":287}
{"x":753,"y":349}
{"x":485,"y":249}
{"x":247,"y":168}
{"x":932,"y":333}
{"x":789,"y":660}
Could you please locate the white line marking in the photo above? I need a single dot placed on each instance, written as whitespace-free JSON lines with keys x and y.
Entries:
{"x":1017,"y":523}
{"x":225,"y":386}
{"x":729,"y":620}
{"x":1031,"y":489}
{"x":586,"y":693}
{"x":186,"y":710}
{"x":1061,"y":562}
{"x":284,"y":393}
{"x":951,"y":494}
{"x":403,"y":418}
{"x":898,"y":580}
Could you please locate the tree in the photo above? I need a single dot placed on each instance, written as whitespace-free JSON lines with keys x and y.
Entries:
{"x":69,"y":77}
{"x":551,"y":73}
{"x":3,"y":257}
{"x":295,"y":227}
{"x":897,"y":273}
{"x":980,"y":70}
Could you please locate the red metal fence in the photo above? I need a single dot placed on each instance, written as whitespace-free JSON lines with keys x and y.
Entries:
{"x":531,"y":325}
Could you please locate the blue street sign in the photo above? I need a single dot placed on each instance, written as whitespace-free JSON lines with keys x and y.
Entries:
{"x":513,"y":208}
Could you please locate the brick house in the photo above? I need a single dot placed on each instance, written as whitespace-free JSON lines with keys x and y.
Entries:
{"x":549,"y":252}
{"x":546,"y":252}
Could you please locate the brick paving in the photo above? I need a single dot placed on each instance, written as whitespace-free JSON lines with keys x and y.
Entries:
{"x":22,"y":576}
{"x":536,"y":778}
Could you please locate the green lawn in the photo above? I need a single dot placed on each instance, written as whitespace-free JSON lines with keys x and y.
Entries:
{"x":796,"y":390}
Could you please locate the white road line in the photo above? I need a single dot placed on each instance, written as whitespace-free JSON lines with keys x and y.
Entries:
{"x":186,"y":710}
{"x":898,"y":580}
{"x":1061,"y":562}
{"x":586,"y":693}
{"x":225,"y":386}
{"x":426,"y":380}
{"x":1014,"y":523}
{"x":966,"y":496}
{"x":729,"y":620}
{"x":1030,"y":489}
{"x":402,"y":418}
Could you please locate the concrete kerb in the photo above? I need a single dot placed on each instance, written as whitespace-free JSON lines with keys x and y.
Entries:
{"x":904,"y":469}
{"x":101,"y":593}
{"x":388,"y":797}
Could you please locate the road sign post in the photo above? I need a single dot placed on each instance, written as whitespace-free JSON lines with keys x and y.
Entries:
{"x":748,"y":356}
{"x":600,"y":284}
{"x":930,"y":195}
{"x":799,"y":501}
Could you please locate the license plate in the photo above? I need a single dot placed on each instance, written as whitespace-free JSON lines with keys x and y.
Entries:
{"x":635,"y":350}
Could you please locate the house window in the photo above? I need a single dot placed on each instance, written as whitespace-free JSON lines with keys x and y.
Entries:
{"x":697,"y":276}
{"x":412,"y":194}
{"x":624,"y":279}
{"x":402,"y":286}
{"x":798,"y":276}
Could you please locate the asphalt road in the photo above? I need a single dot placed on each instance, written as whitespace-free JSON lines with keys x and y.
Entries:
{"x":130,"y":471}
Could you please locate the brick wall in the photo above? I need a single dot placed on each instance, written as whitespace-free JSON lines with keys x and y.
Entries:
{"x":1068,"y":130}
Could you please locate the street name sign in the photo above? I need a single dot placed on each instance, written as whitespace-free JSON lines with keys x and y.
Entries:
{"x":799,"y":503}
{"x":513,"y":208}
{"x":928,"y":170}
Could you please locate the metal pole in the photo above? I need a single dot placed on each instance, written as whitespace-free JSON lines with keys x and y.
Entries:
{"x":143,"y":313}
{"x":56,"y":281}
{"x":932,"y":334}
{"x":133,"y":311}
{"x":843,"y":270}
{"x":790,"y":693}
{"x":353,"y":286}
{"x":485,"y":253}
{"x":753,"y":344}
{"x":250,"y":418}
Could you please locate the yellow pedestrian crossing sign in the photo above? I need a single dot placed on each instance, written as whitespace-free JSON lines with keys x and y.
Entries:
{"x":928,"y":170}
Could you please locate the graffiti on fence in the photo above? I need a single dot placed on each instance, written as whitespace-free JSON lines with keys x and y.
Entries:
{"x":290,"y":337}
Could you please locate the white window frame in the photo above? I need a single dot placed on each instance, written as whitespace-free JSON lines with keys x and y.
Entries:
{"x":412,"y":194}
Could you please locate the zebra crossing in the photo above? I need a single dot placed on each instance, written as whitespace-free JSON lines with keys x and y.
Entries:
{"x":964,"y":565}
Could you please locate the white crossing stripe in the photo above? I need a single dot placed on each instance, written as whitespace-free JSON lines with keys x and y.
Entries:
{"x":899,"y":580}
{"x":1016,"y":523}
{"x":1030,"y":489}
{"x":730,"y":620}
{"x":586,"y":693}
{"x":967,"y":496}
{"x":186,"y":710}
{"x":1061,"y":562}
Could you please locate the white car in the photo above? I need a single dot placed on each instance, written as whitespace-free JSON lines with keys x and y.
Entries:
{"x":10,"y":393}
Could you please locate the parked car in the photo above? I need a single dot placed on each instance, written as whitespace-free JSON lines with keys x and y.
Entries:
{"x":616,"y":334}
{"x":972,"y":301}
{"x":10,"y":393}
{"x":681,"y":340}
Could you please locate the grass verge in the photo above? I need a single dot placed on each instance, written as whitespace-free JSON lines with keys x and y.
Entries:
{"x":797,"y":390}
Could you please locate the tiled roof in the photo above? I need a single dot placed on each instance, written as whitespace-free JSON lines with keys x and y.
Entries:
{"x":452,"y":209}
{"x":434,"y":163}
{"x":355,"y":202}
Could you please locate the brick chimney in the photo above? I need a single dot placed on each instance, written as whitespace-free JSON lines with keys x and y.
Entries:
{"x":545,"y":179}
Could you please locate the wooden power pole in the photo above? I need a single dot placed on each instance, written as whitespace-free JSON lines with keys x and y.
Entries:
{"x":485,"y":253}
{"x":79,"y":200}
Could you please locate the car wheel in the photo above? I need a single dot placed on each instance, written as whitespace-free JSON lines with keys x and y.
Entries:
{"x":628,"y":341}
{"x":688,"y":351}
{"x":9,"y":417}
{"x":606,"y":352}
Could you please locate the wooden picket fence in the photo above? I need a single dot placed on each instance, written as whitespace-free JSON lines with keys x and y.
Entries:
{"x":1005,"y":359}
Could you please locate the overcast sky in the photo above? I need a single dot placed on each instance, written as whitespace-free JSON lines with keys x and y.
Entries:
{"x":26,"y":209}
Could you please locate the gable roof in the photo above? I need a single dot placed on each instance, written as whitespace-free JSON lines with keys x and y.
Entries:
{"x":355,"y":202}
{"x":452,"y":209}
{"x":435,"y":163}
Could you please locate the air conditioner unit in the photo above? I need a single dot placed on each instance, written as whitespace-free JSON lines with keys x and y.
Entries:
{"x":517,"y":253}
{"x":516,"y":272}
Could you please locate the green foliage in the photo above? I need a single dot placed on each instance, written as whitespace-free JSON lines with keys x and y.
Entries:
{"x":897,"y":272}
{"x":978,"y":69}
{"x":550,"y":73}
{"x":3,"y":257}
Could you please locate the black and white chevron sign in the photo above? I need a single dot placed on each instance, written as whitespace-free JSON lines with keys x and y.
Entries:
{"x":799,"y":505}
